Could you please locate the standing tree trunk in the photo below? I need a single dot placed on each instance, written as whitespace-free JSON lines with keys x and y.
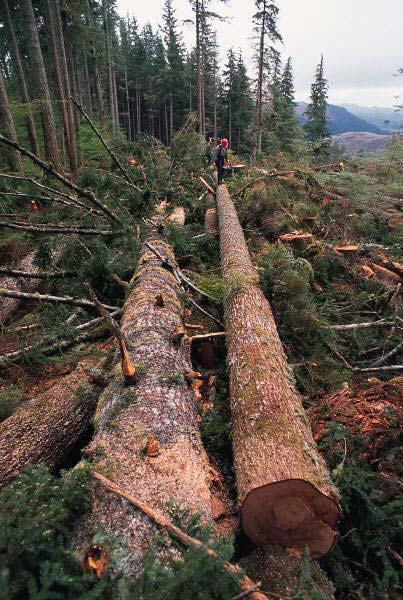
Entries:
{"x":19,"y":71}
{"x":147,"y":438}
{"x":7,"y":125}
{"x":98,"y":84}
{"x":40,"y":82}
{"x":284,"y":489}
{"x":60,"y":85}
{"x":46,"y":428}
{"x":111,"y":75}
{"x":257,"y":129}
{"x":66,"y":80}
{"x":200,"y":67}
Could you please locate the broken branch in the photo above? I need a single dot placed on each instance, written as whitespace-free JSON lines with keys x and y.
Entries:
{"x":49,"y":168}
{"x":177,"y":533}
{"x":83,"y":302}
{"x":58,"y":229}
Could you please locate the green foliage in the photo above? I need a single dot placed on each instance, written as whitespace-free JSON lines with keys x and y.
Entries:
{"x":193,"y":574}
{"x":37,"y":515}
{"x":362,"y":565}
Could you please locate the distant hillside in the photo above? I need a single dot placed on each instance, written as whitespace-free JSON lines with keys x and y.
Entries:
{"x":340,"y":120}
{"x":377,"y":115}
{"x":355,"y":142}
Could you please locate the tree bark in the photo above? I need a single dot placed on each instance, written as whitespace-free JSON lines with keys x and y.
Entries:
{"x":40,"y":82}
{"x":60,"y":85}
{"x":7,"y":124}
{"x":47,"y":427}
{"x":147,"y":439}
{"x":111,"y":75}
{"x":257,"y":130}
{"x":66,"y":82}
{"x":9,"y":305}
{"x":19,"y":72}
{"x":284,"y":489}
{"x":210,"y":221}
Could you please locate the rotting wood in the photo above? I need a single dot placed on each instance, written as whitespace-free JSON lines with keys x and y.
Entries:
{"x":158,"y":404}
{"x":247,"y":585}
{"x":284,"y":489}
{"x":46,"y":428}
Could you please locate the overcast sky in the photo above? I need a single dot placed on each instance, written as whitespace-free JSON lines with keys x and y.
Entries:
{"x":361,"y":40}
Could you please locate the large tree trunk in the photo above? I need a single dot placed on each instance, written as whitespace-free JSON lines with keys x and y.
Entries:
{"x":284,"y":489}
{"x":111,"y":75}
{"x":66,"y":83}
{"x":147,"y":439}
{"x":61,"y":86}
{"x":47,"y":427}
{"x":40,"y":82}
{"x":19,"y":72}
{"x":7,"y":125}
{"x":280,"y":574}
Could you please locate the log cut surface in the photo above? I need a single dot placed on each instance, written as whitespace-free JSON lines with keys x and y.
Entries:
{"x":284,"y":488}
{"x":147,"y":439}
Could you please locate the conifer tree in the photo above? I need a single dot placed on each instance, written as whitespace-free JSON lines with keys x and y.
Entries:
{"x":316,"y":127}
{"x":265,"y":21}
{"x":282,"y":121}
{"x":175,"y":67}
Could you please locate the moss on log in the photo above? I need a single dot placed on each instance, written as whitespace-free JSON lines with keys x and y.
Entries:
{"x":47,"y":427}
{"x":284,"y":489}
{"x":147,"y":439}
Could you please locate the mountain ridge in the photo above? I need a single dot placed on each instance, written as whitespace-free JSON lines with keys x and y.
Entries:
{"x":340,"y":120}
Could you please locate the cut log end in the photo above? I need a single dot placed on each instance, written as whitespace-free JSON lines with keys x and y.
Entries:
{"x":291,"y":513}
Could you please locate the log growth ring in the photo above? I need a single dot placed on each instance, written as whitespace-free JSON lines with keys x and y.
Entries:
{"x":291,"y":513}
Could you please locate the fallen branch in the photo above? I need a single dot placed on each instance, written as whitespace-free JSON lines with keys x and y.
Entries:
{"x":49,"y":168}
{"x":380,"y":369}
{"x":355,"y":326}
{"x":209,"y":188}
{"x":386,"y":357}
{"x":206,"y":336}
{"x":205,"y":312}
{"x":177,"y":272}
{"x":27,"y":274}
{"x":70,"y":199}
{"x":113,"y":156}
{"x":177,"y":533}
{"x":128,"y":369}
{"x":17,"y":355}
{"x":82,"y":302}
{"x":58,"y":229}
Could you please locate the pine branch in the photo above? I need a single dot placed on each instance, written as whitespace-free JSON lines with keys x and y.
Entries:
{"x":16,"y":356}
{"x":49,"y":168}
{"x":113,"y":156}
{"x":128,"y":369}
{"x":27,"y":274}
{"x":178,"y":534}
{"x":58,"y":229}
{"x":71,"y":199}
{"x":82,"y":302}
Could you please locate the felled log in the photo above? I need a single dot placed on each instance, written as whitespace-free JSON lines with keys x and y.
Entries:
{"x":284,"y":489}
{"x":210,"y":221}
{"x":46,"y":428}
{"x":9,"y":305}
{"x":384,"y":273}
{"x":279,"y":572}
{"x":147,"y":439}
{"x":177,"y":216}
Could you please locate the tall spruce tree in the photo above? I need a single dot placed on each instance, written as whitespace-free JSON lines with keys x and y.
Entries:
{"x":316,"y":127}
{"x":265,"y":22}
{"x":175,"y":68}
{"x":282,"y":121}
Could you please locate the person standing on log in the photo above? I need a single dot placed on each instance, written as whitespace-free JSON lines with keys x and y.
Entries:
{"x":220,"y":157}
